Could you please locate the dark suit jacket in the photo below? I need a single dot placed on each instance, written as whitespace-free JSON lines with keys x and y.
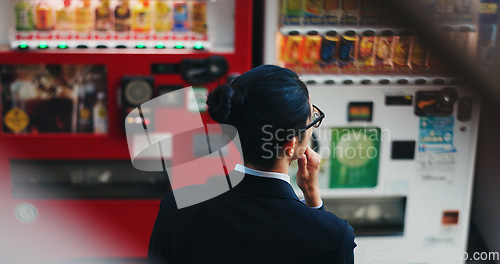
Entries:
{"x":260,"y":220}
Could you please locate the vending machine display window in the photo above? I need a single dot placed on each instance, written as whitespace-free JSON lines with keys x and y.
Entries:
{"x":355,"y":157}
{"x":132,"y":24}
{"x":57,"y":98}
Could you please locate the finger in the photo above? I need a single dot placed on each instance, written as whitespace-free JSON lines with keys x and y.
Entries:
{"x":310,"y":154}
{"x":313,"y":157}
{"x":302,"y":163}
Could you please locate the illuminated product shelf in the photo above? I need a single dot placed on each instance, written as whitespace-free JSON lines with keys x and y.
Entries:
{"x":322,"y":30}
{"x":95,"y":44}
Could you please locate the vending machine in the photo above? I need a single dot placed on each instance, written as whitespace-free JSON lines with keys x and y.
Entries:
{"x":399,"y":137}
{"x":70,"y":80}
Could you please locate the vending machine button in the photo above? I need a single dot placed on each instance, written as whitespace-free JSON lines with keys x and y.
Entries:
{"x":438,"y":81}
{"x":420,"y":81}
{"x":179,"y":45}
{"x":329,"y":82}
{"x":449,"y":95}
{"x":402,"y":81}
{"x":82,"y":47}
{"x":366,"y":82}
{"x":198,"y":46}
{"x":140,"y":45}
{"x":384,"y":81}
{"x":160,"y":45}
{"x":62,"y":45}
{"x":464,"y":109}
{"x":23,"y":46}
{"x":43,"y":45}
{"x":101,"y":47}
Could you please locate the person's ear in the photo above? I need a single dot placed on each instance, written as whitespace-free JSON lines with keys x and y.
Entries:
{"x":289,"y":147}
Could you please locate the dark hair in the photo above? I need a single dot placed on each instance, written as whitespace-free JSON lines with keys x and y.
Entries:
{"x":263,"y":101}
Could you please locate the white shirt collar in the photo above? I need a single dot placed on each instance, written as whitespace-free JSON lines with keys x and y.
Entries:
{"x":265,"y":174}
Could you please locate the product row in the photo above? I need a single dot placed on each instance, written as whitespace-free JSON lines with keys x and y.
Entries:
{"x":367,"y":53}
{"x":368,"y":12}
{"x":69,"y":17}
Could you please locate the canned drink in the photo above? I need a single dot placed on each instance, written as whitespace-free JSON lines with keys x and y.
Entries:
{"x":349,"y":5}
{"x":368,"y":12}
{"x":419,"y":53}
{"x":366,"y":49}
{"x":200,"y":17}
{"x":312,"y":46}
{"x":329,"y":47}
{"x":331,"y":5}
{"x":350,"y":9}
{"x":332,"y":12}
{"x":383,"y":56}
{"x":347,"y":45}
{"x":402,"y":49}
{"x":293,"y":48}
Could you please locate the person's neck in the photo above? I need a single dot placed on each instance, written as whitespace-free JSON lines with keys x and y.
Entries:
{"x":281,"y":166}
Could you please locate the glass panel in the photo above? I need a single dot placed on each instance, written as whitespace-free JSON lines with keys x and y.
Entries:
{"x":54,"y":99}
{"x":141,"y":24}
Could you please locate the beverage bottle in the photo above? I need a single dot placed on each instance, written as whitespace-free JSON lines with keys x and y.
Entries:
{"x":44,"y":15}
{"x":199,"y":17}
{"x":181,"y":17}
{"x":163,"y":16}
{"x":313,"y":7}
{"x":292,"y":12}
{"x":122,"y":16}
{"x":24,"y":16}
{"x":83,"y":16}
{"x":84,"y":118}
{"x":100,"y":114}
{"x":65,"y":16}
{"x":103,"y":16}
{"x":141,"y":16}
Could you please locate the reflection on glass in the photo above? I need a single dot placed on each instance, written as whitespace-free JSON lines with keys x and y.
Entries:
{"x":54,"y":99}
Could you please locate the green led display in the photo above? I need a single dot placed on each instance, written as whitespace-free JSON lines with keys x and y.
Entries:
{"x":198,"y":45}
{"x":62,"y":45}
{"x":160,"y":45}
{"x":179,"y":45}
{"x":140,"y":45}
{"x":23,"y":45}
{"x":43,"y":45}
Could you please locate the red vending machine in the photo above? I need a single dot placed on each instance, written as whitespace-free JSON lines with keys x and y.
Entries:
{"x":71,"y":75}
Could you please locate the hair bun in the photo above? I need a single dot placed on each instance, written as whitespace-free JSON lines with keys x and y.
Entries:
{"x":222,"y":102}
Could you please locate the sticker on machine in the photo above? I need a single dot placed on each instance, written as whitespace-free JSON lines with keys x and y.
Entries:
{"x":26,"y":213}
{"x":436,"y":157}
